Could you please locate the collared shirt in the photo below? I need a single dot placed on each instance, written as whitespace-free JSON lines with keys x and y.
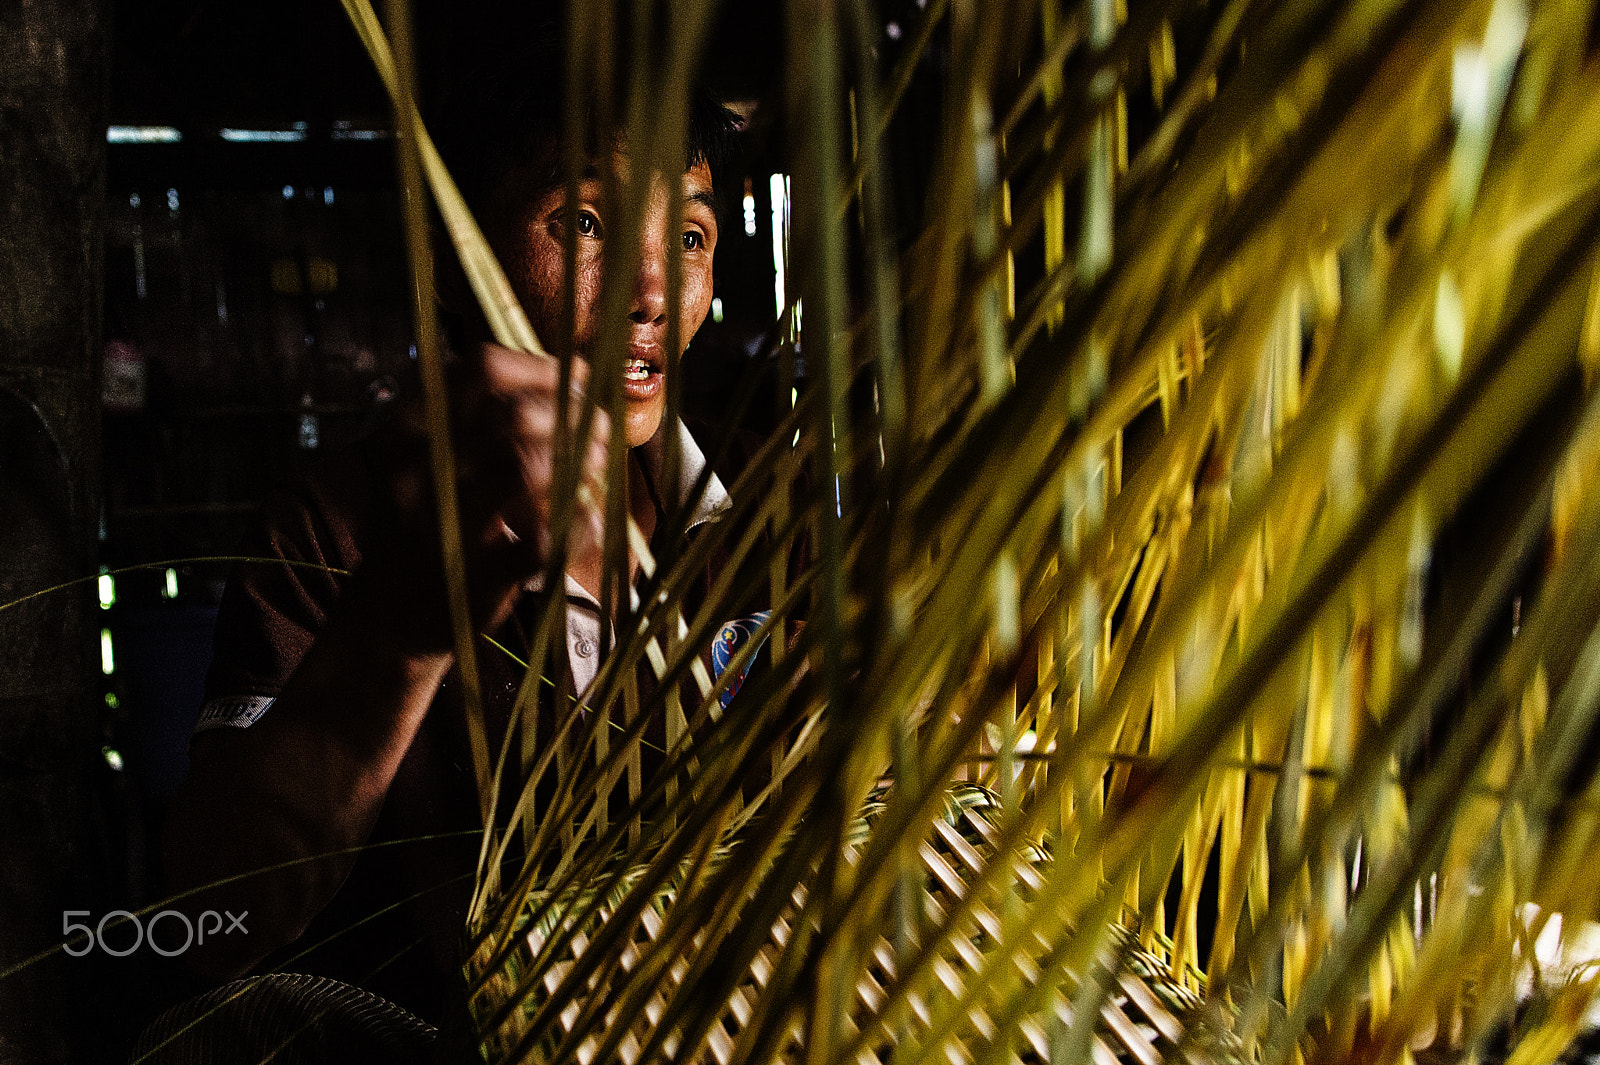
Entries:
{"x":583,"y":609}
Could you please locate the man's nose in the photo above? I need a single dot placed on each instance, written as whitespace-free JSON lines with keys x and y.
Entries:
{"x":650,"y":282}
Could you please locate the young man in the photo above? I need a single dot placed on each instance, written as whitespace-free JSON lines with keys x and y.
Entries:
{"x":331,"y":795}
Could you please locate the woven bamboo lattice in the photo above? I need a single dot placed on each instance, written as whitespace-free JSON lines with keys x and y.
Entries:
{"x":1142,"y":1016}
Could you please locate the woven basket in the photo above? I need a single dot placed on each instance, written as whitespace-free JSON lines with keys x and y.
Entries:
{"x":1142,"y":1017}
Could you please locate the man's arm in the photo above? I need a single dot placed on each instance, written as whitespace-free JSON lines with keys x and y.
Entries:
{"x":303,"y":785}
{"x":271,"y":816}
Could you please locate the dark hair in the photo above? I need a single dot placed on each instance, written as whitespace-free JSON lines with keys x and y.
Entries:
{"x":509,"y":112}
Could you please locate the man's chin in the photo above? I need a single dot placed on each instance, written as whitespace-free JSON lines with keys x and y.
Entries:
{"x":643,"y":419}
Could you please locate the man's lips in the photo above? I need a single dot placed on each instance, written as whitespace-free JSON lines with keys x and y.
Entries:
{"x":641,"y":375}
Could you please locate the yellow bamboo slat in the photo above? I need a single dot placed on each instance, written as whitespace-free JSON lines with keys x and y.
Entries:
{"x":1137,"y":1025}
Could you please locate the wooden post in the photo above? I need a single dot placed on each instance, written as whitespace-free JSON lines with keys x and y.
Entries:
{"x":54,"y":60}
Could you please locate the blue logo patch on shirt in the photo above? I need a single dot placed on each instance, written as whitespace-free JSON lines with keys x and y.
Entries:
{"x":730,"y":638}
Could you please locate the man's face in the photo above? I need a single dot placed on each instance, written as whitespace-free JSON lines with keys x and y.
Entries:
{"x":531,"y":246}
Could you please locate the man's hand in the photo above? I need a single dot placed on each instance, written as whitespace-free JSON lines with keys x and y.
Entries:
{"x":310,"y":777}
{"x":522,"y":400}
{"x":504,"y":410}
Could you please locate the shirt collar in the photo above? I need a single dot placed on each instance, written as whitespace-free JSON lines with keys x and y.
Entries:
{"x":711,"y":505}
{"x":713,"y":502}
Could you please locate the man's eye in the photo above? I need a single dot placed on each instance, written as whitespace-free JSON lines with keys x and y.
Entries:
{"x":588,"y":224}
{"x":693,"y":241}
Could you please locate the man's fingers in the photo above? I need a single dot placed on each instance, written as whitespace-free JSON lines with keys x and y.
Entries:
{"x":509,"y":372}
{"x":513,"y":446}
{"x":597,"y":459}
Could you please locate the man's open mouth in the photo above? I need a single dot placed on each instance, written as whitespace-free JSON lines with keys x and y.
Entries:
{"x":638,"y":370}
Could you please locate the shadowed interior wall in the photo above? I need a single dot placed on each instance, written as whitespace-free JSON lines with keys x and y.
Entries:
{"x":54,"y":56}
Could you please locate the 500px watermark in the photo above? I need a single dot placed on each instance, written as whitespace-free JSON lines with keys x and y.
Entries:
{"x":82,"y":938}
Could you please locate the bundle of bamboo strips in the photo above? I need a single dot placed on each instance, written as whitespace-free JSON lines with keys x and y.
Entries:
{"x":1203,"y":465}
